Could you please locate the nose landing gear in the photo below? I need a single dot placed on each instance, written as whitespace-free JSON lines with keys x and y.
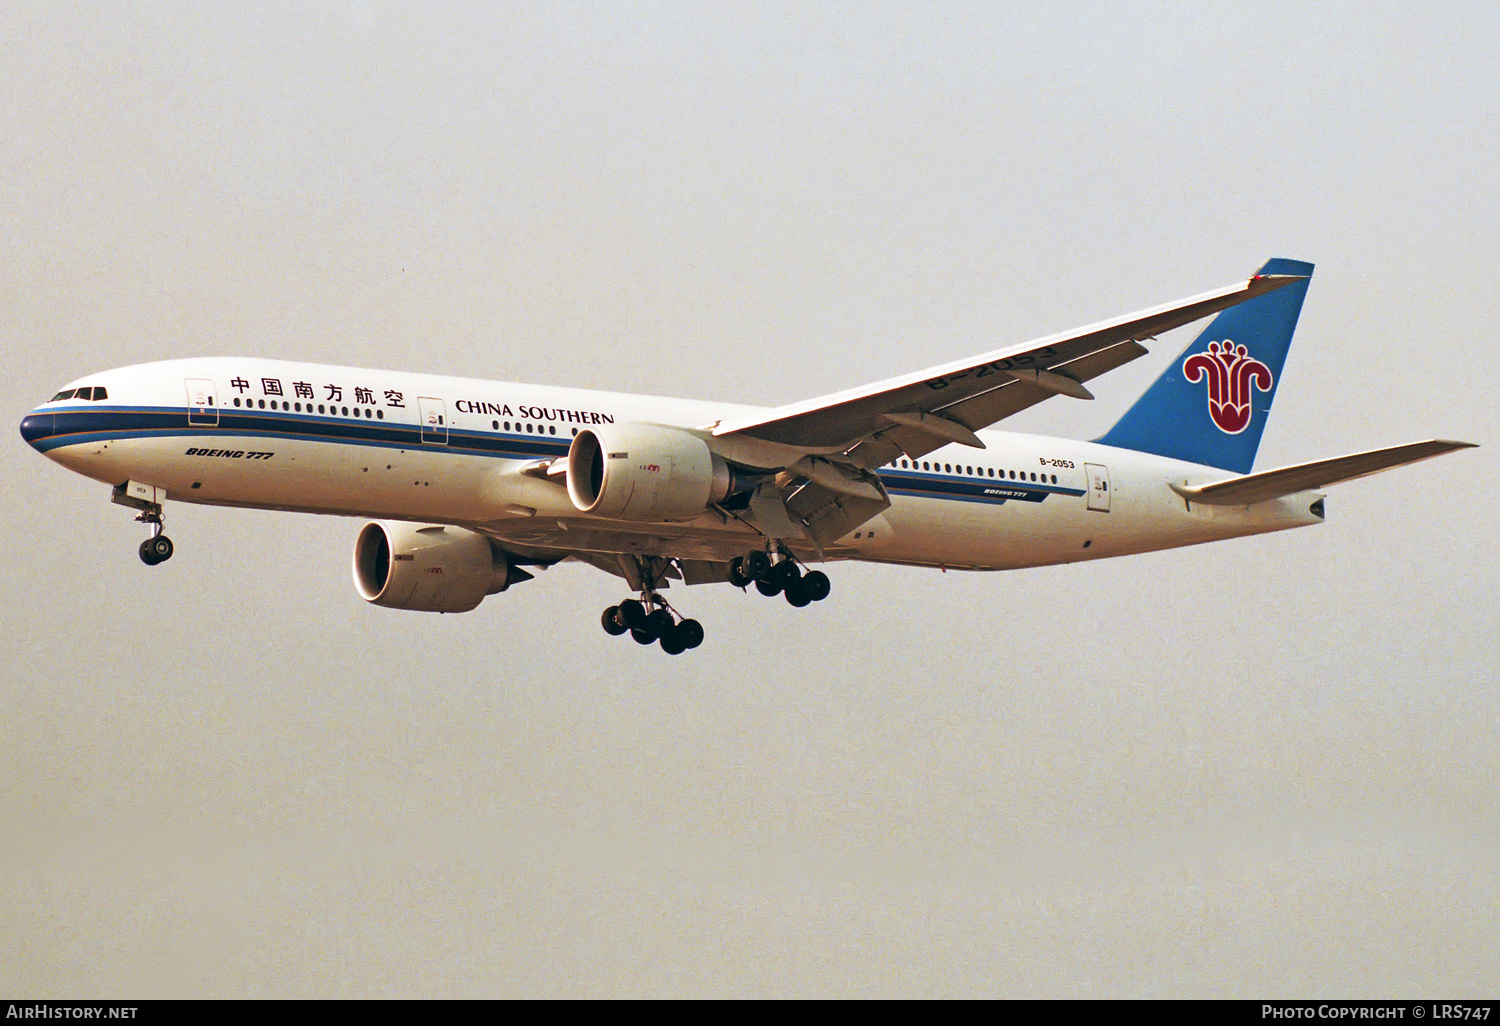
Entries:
{"x":157,"y":548}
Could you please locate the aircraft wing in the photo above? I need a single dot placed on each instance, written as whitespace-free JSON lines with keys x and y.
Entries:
{"x":918,"y":412}
{"x":1273,"y":484}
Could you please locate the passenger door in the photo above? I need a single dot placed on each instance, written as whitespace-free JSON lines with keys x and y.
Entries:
{"x":434,"y":420}
{"x":1098,"y":487}
{"x":202,"y":410}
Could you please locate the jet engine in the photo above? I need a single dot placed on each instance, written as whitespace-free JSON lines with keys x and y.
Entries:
{"x":434,"y":568}
{"x":645,"y":473}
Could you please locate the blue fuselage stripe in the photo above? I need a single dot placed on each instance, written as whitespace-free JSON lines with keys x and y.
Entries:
{"x":75,"y":427}
{"x":81,"y":426}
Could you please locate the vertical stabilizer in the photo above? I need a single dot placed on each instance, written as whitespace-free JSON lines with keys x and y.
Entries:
{"x":1211,"y":404}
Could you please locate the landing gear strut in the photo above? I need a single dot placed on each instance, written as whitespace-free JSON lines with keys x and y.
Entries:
{"x":784,"y":578}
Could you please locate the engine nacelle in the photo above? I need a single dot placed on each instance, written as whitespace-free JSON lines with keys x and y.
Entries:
{"x":643,"y":472}
{"x":434,"y":568}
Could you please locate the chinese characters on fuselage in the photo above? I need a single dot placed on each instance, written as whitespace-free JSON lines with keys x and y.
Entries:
{"x":395,"y":399}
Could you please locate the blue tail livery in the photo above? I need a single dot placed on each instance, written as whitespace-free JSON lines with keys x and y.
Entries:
{"x":1210,"y":406}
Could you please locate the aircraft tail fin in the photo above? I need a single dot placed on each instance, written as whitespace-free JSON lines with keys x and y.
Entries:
{"x":1211,"y":404}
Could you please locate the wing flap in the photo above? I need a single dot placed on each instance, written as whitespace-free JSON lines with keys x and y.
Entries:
{"x":830,"y":514}
{"x":1273,"y":484}
{"x":986,"y":408}
{"x":1017,"y":395}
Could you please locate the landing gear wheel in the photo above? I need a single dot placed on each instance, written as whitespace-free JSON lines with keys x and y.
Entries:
{"x":759,"y":564}
{"x":611,"y":622}
{"x":660,"y":623}
{"x":817,"y":585}
{"x":739,"y":576}
{"x":156,"y":550}
{"x":633,"y":614}
{"x":642,"y":637}
{"x":691,"y":633}
{"x":767,"y":588}
{"x":672,"y":642}
{"x":786,"y":574}
{"x":797,"y":593}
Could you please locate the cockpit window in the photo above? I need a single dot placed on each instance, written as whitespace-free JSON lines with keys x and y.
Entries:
{"x":92,"y":394}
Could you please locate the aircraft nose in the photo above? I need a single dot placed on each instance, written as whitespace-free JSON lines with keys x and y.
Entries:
{"x":36,"y":428}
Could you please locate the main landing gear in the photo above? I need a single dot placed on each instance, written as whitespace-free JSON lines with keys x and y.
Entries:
{"x":783,"y":578}
{"x":650,"y":619}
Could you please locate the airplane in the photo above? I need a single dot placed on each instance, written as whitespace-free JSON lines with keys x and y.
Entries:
{"x":468,"y":483}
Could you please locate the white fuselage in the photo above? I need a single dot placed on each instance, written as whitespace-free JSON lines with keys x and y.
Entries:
{"x":282,"y":435}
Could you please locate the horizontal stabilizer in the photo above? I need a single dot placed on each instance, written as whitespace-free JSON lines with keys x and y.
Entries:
{"x":1273,"y":484}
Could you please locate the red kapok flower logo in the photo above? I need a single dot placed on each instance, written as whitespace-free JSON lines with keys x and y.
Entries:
{"x":1231,"y":372}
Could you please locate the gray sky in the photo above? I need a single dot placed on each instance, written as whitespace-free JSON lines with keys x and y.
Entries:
{"x":1260,"y":768}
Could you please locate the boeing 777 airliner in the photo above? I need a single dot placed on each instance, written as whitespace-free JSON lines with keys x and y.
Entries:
{"x":469,"y":482}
